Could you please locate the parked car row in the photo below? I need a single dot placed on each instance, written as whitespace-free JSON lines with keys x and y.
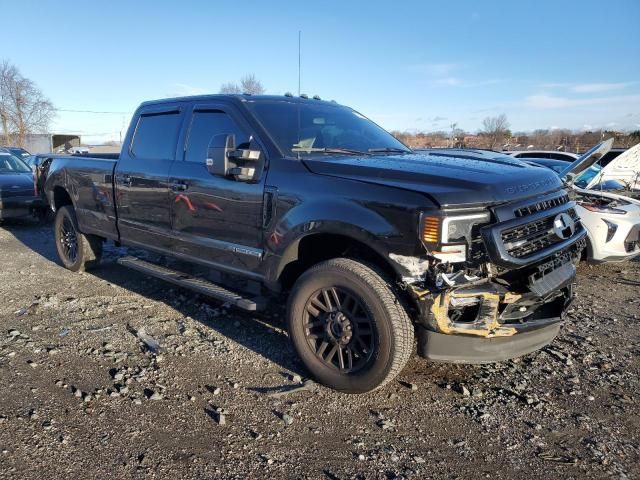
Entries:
{"x":18,"y":197}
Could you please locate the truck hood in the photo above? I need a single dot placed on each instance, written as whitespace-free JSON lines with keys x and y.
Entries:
{"x":15,"y":184}
{"x":624,"y":168}
{"x":452,"y":177}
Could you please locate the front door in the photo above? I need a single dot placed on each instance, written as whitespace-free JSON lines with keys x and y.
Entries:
{"x":141,"y":178}
{"x":216,"y":218}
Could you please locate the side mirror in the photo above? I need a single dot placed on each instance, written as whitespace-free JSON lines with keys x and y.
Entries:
{"x":218,"y":154}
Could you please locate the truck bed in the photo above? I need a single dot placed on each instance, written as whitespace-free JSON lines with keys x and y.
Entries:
{"x":89,"y":181}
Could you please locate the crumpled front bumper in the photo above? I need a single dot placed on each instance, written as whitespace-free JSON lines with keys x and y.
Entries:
{"x":485,"y":322}
{"x":439,"y":347}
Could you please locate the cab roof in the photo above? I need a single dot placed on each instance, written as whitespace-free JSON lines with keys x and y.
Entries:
{"x":243,"y":98}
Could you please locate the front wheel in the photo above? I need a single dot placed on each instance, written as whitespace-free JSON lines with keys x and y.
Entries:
{"x":348,"y":326}
{"x":76,"y":251}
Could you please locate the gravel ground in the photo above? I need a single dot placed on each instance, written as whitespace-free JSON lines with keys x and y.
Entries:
{"x":111,"y":374}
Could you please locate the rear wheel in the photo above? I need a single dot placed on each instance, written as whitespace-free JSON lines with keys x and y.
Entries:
{"x":349,"y":328}
{"x":77,"y":251}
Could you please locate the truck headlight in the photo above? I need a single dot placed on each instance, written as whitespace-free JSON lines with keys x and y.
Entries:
{"x":447,"y":237}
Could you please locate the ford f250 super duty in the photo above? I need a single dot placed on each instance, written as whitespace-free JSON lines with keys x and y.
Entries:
{"x":471,"y":252}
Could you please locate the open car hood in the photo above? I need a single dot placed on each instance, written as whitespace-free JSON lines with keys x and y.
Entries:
{"x":587,"y":159}
{"x":624,"y":168}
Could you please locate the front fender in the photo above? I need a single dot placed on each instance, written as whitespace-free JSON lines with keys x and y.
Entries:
{"x":371,"y":225}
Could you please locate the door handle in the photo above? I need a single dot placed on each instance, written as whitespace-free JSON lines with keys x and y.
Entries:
{"x":179,"y":187}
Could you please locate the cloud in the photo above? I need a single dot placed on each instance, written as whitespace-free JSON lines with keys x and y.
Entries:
{"x":600,"y":87}
{"x":588,"y":87}
{"x":184,"y":90}
{"x":439,"y":69}
{"x":438,"y":118}
{"x":555,"y":85}
{"x":450,"y":81}
{"x":450,"y":74}
{"x":550,"y":101}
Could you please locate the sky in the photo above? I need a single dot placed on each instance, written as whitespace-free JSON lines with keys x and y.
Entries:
{"x":408,"y":65}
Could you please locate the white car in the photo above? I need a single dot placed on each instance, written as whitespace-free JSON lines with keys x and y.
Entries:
{"x":612,"y":221}
{"x":613,"y":225}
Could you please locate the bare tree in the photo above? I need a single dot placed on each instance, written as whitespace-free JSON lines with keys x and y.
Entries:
{"x":23,"y":107}
{"x":248,"y":84}
{"x":8,"y":76}
{"x":495,"y":129}
{"x":456,"y":137}
{"x":230,"y":88}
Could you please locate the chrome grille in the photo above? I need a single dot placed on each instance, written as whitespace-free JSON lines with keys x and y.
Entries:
{"x":541,"y":206}
{"x":527,"y":239}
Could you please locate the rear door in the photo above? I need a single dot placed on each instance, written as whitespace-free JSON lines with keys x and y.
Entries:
{"x":142,"y":176}
{"x":216,"y":219}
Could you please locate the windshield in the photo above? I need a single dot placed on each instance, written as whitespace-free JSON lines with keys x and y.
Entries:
{"x":19,"y":152}
{"x":584,"y":178}
{"x":323,"y":129}
{"x":12,"y":164}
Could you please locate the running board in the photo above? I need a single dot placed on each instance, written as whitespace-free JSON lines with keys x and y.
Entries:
{"x":199,"y":285}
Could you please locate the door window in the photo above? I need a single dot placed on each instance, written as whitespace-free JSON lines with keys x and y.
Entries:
{"x":206,"y":124}
{"x":156,"y":136}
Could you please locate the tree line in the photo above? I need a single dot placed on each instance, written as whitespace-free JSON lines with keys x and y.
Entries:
{"x":496,"y":134}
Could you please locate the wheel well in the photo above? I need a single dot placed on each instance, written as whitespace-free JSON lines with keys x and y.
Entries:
{"x":316,"y":248}
{"x":61,"y":198}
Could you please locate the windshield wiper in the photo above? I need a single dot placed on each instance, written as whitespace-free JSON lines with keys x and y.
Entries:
{"x":388,"y":150}
{"x":344,"y":151}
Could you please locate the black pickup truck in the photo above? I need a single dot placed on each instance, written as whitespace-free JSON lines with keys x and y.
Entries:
{"x":471,"y":252}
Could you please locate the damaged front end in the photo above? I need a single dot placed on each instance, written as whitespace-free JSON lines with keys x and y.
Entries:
{"x":503,"y":300}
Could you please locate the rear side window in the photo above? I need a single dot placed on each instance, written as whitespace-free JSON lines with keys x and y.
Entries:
{"x":561,"y":156}
{"x":534,"y":155}
{"x":156,"y":136}
{"x":205,"y":125}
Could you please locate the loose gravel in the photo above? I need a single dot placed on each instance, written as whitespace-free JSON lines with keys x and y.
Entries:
{"x":111,"y":374}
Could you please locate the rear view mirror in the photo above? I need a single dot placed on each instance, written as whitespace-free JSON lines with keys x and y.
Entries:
{"x":218,"y":154}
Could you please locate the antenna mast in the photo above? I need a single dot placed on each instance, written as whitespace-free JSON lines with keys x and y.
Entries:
{"x":298,"y":99}
{"x":299,"y":58}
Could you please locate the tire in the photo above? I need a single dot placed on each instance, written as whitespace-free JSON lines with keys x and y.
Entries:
{"x":352,"y":309}
{"x":77,"y":252}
